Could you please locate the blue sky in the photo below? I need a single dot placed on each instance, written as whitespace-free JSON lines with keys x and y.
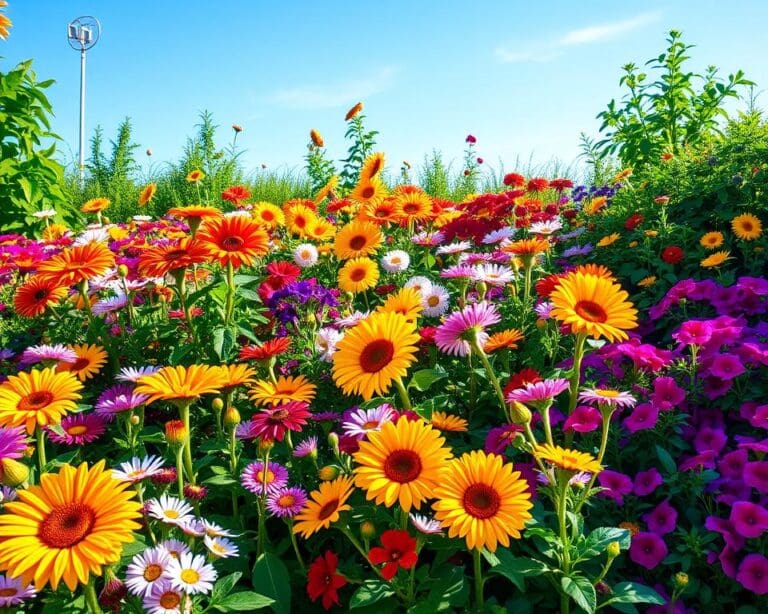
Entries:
{"x":525,"y":78}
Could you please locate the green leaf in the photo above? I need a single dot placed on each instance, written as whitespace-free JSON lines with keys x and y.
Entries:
{"x":516,"y":569}
{"x":244,"y":280}
{"x":270,"y":578}
{"x":423,"y":379}
{"x":629,"y":592}
{"x":246,"y":601}
{"x":179,"y":353}
{"x":449,"y":591}
{"x":666,"y":460}
{"x":597,"y":541}
{"x":248,"y":294}
{"x":224,"y":586}
{"x":220,"y":480}
{"x":581,"y":590}
{"x":370,"y":592}
{"x":223,"y":341}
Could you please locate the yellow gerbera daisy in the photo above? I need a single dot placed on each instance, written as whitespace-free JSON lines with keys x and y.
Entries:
{"x":95,"y":205}
{"x":358,"y":275}
{"x":609,"y":239}
{"x":446,"y":422}
{"x":480,"y":498}
{"x":90,"y":360}
{"x":297,"y":218}
{"x":38,"y":398}
{"x":70,"y":526}
{"x":715,"y":260}
{"x":374,"y":353}
{"x":357,"y":239}
{"x":406,"y":302}
{"x":372,"y":166}
{"x":195,"y":176}
{"x":569,"y":460}
{"x":593,"y":306}
{"x":712,"y":240}
{"x":747,"y":227}
{"x":182,"y":385}
{"x":268,"y":215}
{"x":369,"y":192}
{"x":324,"y":506}
{"x":401,"y":463}
{"x":320,"y":229}
{"x":412,"y":203}
{"x":327,"y":190}
{"x":299,"y":388}
{"x":147,"y":194}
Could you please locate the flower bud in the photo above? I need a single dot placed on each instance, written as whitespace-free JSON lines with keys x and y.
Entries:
{"x":122,"y":271}
{"x":613,"y":550}
{"x":217,"y":404}
{"x":680,"y":580}
{"x":367,"y":530}
{"x":175,"y":432}
{"x":519,"y":413}
{"x":328,"y":473}
{"x":231,"y":417}
{"x":333,"y":441}
{"x":135,"y":420}
{"x":265,"y":445}
{"x":13,"y":473}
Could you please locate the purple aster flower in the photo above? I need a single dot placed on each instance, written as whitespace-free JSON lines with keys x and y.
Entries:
{"x":666,"y":393}
{"x":253,"y":476}
{"x":662,"y":519}
{"x":577,"y":250}
{"x":613,"y":398}
{"x":643,"y":417}
{"x":7,"y":494}
{"x":615,"y":485}
{"x":544,"y":310}
{"x":13,"y":442}
{"x":306,"y":447}
{"x":749,"y":519}
{"x":77,"y":429}
{"x":753,"y":573}
{"x":646,"y":482}
{"x":120,"y":397}
{"x":108,"y":305}
{"x":244,"y":432}
{"x":539,"y":392}
{"x":457,"y":271}
{"x":726,"y":366}
{"x":694,"y":332}
{"x":326,"y":416}
{"x":14,"y":592}
{"x":583,"y":419}
{"x":360,"y":422}
{"x":460,"y":328}
{"x":286,"y":502}
{"x":6,"y":354}
{"x":132,"y":374}
{"x":647,"y":550}
{"x":755,"y":475}
{"x":48,"y":353}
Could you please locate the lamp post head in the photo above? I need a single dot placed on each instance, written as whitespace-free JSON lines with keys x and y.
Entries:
{"x":83,"y":32}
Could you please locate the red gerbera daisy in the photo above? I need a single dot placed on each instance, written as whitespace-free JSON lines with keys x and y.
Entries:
{"x":521,"y":378}
{"x":36,"y":294}
{"x":399,"y":551}
{"x":537,"y":184}
{"x":514,"y":179}
{"x":236,"y":194}
{"x":560,"y":184}
{"x":633,"y":221}
{"x":271,"y":424}
{"x":546,"y":285}
{"x":672,"y":254}
{"x":323,"y":581}
{"x":289,"y":272}
{"x":267,"y":350}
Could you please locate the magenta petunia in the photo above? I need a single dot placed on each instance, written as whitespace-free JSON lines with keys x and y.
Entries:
{"x":271,"y":424}
{"x":753,"y":573}
{"x":77,"y":429}
{"x":694,"y":332}
{"x":662,"y":519}
{"x":667,"y":394}
{"x":729,"y":561}
{"x":454,"y":335}
{"x":643,"y":417}
{"x":500,"y":438}
{"x":725,"y":528}
{"x":749,"y":519}
{"x":647,"y":550}
{"x":731,"y":465}
{"x":646,"y":482}
{"x":710,"y":439}
{"x":726,"y":366}
{"x":13,"y":442}
{"x":756,"y":476}
{"x":615,"y":485}
{"x":583,"y":419}
{"x":539,"y":392}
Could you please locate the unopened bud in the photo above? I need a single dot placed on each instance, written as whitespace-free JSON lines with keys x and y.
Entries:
{"x":135,"y":420}
{"x":519,"y":413}
{"x":613,"y":550}
{"x":328,"y":473}
{"x":217,"y":404}
{"x":175,"y":432}
{"x":265,"y":445}
{"x":333,"y":441}
{"x":122,"y":271}
{"x":29,"y":451}
{"x":231,"y":417}
{"x":681,"y":579}
{"x":13,"y":473}
{"x":367,"y":530}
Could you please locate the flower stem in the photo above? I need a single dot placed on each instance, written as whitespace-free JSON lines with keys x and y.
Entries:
{"x":478,"y":579}
{"x":491,"y":375}
{"x":404,"y":398}
{"x":180,"y":470}
{"x":89,"y":592}
{"x":41,"y":462}
{"x":184,"y":410}
{"x":230,"y":303}
{"x":295,"y":545}
{"x":565,"y":600}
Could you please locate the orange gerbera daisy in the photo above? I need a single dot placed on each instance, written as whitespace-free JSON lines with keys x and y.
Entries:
{"x":527,"y":247}
{"x":327,"y":190}
{"x":90,"y":360}
{"x":268,"y":215}
{"x":412,"y":203}
{"x":380,"y":213}
{"x":298,"y":217}
{"x":234,"y":240}
{"x":193,"y":215}
{"x":368,"y":192}
{"x":503,"y":339}
{"x":286,"y":389}
{"x":372,"y":166}
{"x":147,"y":194}
{"x":320,"y":229}
{"x":324,"y":506}
{"x":95,"y":205}
{"x":443,"y":421}
{"x":36,"y":294}
{"x":353,"y":111}
{"x":598,"y":270}
{"x":195,"y":176}
{"x":357,"y":239}
{"x":159,"y":260}
{"x":77,"y":264}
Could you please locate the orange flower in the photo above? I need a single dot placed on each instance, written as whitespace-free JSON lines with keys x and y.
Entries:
{"x":317,"y":138}
{"x":195,"y":176}
{"x":36,"y":294}
{"x":147,"y":194}
{"x":158,"y":260}
{"x":95,"y":205}
{"x":77,"y":264}
{"x":353,"y":111}
{"x":234,"y":240}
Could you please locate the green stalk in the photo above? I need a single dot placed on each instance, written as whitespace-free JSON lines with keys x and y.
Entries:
{"x":404,"y":398}
{"x":230,"y":301}
{"x":184,"y":411}
{"x":180,"y":470}
{"x":41,"y":462}
{"x":565,"y":600}
{"x":296,"y":546}
{"x":491,"y":374}
{"x":91,"y":600}
{"x":478,"y":579}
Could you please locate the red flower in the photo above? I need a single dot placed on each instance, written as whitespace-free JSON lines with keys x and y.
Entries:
{"x":479,"y":160}
{"x":470,"y":139}
{"x":546,"y":285}
{"x":560,"y":184}
{"x":399,"y":551}
{"x":514,"y":179}
{"x":427,"y":334}
{"x":633,"y":221}
{"x":661,"y":200}
{"x":272,"y":423}
{"x":521,"y":378}
{"x":385,"y":289}
{"x":236,"y":194}
{"x":265,"y":351}
{"x":338,"y":205}
{"x":672,"y":254}
{"x":322,"y":580}
{"x":290,"y":272}
{"x":552,"y":209}
{"x":520,"y":211}
{"x":537,"y":184}
{"x":570,"y":214}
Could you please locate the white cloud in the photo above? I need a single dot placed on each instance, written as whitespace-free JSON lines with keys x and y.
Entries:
{"x":546,"y":51}
{"x":335,"y":94}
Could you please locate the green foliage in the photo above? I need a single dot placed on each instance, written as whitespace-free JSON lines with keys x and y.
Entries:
{"x":362,"y":143}
{"x":435,"y":176}
{"x":30,"y":179}
{"x":668,"y":113}
{"x":319,"y":168}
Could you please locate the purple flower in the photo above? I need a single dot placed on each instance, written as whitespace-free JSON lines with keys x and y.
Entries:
{"x":360,"y":422}
{"x":460,"y":328}
{"x":728,"y":562}
{"x":666,"y":393}
{"x":583,"y":419}
{"x":749,"y":519}
{"x":120,"y":397}
{"x":694,"y":332}
{"x":725,"y":528}
{"x":647,"y":550}
{"x":710,"y":439}
{"x":286,"y":502}
{"x":13,"y":442}
{"x":643,"y":417}
{"x":756,"y":476}
{"x":77,"y":429}
{"x":731,"y":465}
{"x":662,"y":519}
{"x":615,"y":485}
{"x":647,"y":482}
{"x":753,"y":573}
{"x":306,"y":447}
{"x":726,"y":366}
{"x":644,"y":356}
{"x":500,"y":438}
{"x":253,"y":475}
{"x":48,"y":353}
{"x":538,"y":392}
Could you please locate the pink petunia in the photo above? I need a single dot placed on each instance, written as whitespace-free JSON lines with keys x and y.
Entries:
{"x":583,"y":419}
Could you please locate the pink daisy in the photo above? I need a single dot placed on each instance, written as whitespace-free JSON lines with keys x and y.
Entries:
{"x":454,"y":335}
{"x":272,"y":423}
{"x":286,"y":502}
{"x":539,"y":392}
{"x":252,"y":477}
{"x":612,"y":398}
{"x":13,"y":442}
{"x":77,"y":429}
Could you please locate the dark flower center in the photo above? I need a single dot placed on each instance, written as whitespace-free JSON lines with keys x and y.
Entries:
{"x":358,"y":274}
{"x":170,"y":600}
{"x":328,"y":509}
{"x":376,"y":355}
{"x":41,"y":294}
{"x":590,"y":311}
{"x":232,"y":244}
{"x":368,"y":192}
{"x":357,"y":243}
{"x":67,"y":525}
{"x":152,"y":572}
{"x":36,"y":400}
{"x":481,"y":501}
{"x":402,"y":466}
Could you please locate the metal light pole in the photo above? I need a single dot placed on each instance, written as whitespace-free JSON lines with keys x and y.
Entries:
{"x":83,"y":33}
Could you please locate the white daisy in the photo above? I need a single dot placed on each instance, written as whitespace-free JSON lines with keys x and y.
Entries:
{"x":493,"y":274}
{"x":420,"y":283}
{"x":454,"y":248}
{"x":146,"y":570}
{"x":428,"y":239}
{"x":170,"y":510}
{"x":214,"y":530}
{"x":191,"y":574}
{"x":132,"y":374}
{"x":326,"y":340}
{"x":237,"y":213}
{"x":165,"y":599}
{"x":435,"y":301}
{"x":193,"y":527}
{"x":395,"y":261}
{"x":221,"y":547}
{"x":352,"y":319}
{"x":545,"y":228}
{"x":44,"y":214}
{"x":507,"y":232}
{"x":305,"y":255}
{"x":174,"y":547}
{"x":93,"y":235}
{"x":137,"y":469}
{"x":142,"y":218}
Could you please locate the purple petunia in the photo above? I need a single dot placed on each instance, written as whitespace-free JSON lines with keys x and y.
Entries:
{"x":666,"y":393}
{"x":615,"y":485}
{"x":643,"y":417}
{"x":726,"y":366}
{"x":694,"y":332}
{"x":646,"y":482}
{"x":753,"y":573}
{"x":647,"y":550}
{"x":756,"y":475}
{"x":583,"y":419}
{"x":662,"y":519}
{"x":749,"y":519}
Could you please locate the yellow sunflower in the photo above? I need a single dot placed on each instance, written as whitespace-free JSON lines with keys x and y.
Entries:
{"x":324,"y":506}
{"x":195,"y":176}
{"x":320,"y":229}
{"x":374,"y":353}
{"x":401,"y":463}
{"x":182,"y":385}
{"x":747,"y":227}
{"x":480,"y":498}
{"x":412,"y":203}
{"x":596,"y":269}
{"x":568,"y":460}
{"x":357,"y":239}
{"x":503,"y":339}
{"x":95,"y":205}
{"x":369,"y":192}
{"x":67,"y":528}
{"x":298,"y":217}
{"x":147,"y":194}
{"x":38,"y":398}
{"x":446,"y":422}
{"x":715,"y":260}
{"x":299,"y":388}
{"x":90,"y":360}
{"x":406,"y":302}
{"x":372,"y":166}
{"x":358,"y":275}
{"x":593,"y":306}
{"x":712,"y":240}
{"x":268,"y":215}
{"x":609,"y":240}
